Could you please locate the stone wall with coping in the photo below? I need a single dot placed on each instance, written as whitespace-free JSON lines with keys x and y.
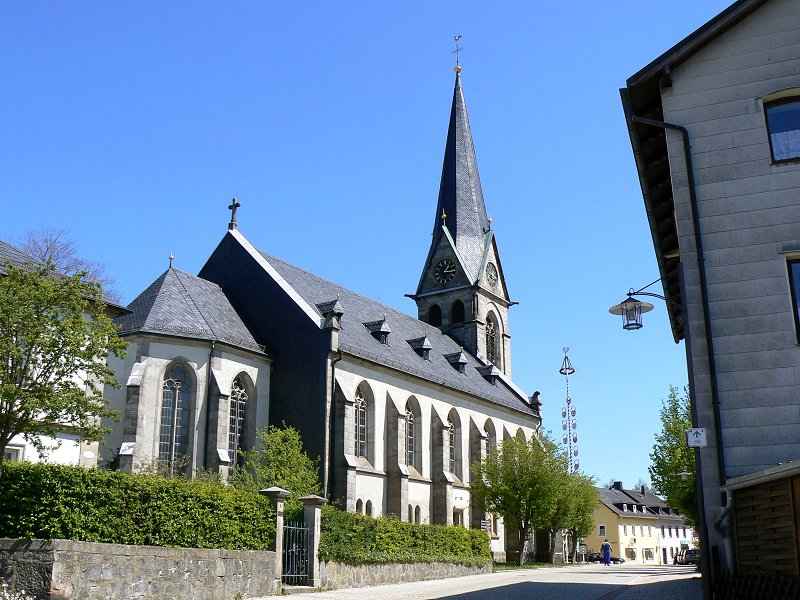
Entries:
{"x":67,"y":570}
{"x":335,"y":575}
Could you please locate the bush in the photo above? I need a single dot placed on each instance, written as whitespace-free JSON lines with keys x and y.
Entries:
{"x":356,"y":539}
{"x":41,"y":501}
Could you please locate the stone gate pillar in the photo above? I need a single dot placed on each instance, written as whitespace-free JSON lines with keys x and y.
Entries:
{"x":313,"y":518}
{"x":278,"y":497}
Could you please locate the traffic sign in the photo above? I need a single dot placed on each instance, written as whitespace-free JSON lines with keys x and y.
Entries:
{"x":696,"y":437}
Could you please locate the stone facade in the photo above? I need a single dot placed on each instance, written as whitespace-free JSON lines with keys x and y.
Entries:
{"x":66,"y":570}
{"x":211,"y":373}
{"x":336,"y":575}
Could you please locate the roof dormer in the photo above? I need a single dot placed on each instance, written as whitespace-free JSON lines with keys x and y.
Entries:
{"x":380,"y":330}
{"x":457,"y":360}
{"x":422,"y":346}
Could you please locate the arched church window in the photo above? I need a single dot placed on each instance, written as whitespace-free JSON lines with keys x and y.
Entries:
{"x":492,"y":353}
{"x":174,"y":431}
{"x":361,"y":423}
{"x":491,"y":438}
{"x":435,"y":315}
{"x":458,"y":311}
{"x":238,"y":410}
{"x":410,"y":437}
{"x":451,"y":429}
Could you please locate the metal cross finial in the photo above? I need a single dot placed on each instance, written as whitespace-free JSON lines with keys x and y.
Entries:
{"x":444,"y":218}
{"x":458,"y":49}
{"x":171,"y":258}
{"x":233,"y":206}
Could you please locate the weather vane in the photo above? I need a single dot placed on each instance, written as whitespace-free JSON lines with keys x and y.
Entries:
{"x":458,"y":49}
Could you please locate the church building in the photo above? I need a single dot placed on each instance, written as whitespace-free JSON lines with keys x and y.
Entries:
{"x":396,"y":407}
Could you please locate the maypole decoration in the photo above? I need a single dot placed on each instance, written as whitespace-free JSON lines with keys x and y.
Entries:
{"x":568,"y":421}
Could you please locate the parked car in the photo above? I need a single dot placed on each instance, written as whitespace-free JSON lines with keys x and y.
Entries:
{"x":687,"y":556}
{"x":596,"y":557}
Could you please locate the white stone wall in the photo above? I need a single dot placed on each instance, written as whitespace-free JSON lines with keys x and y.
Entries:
{"x":435,"y":403}
{"x":144,"y":368}
{"x":749,"y":213}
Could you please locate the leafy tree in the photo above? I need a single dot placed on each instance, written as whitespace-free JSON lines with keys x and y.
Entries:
{"x":55,"y":338}
{"x":521,"y":481}
{"x":53,"y":246}
{"x":278,"y":459}
{"x":583,"y":502}
{"x":673,"y":470}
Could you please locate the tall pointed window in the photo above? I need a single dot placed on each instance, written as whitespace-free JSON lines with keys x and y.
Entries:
{"x":492,"y":354}
{"x":238,"y":410}
{"x":361,"y":423}
{"x":174,"y":431}
{"x":451,"y":429}
{"x":410,"y":437}
{"x":435,"y":315}
{"x":458,"y":312}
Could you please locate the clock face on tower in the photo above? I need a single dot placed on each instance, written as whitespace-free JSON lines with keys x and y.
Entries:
{"x":445,"y":270}
{"x":491,"y":275}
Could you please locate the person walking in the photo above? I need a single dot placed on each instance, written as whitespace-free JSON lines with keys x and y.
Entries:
{"x":606,"y":552}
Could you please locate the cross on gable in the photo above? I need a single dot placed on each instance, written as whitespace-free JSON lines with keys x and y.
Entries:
{"x":233,"y":206}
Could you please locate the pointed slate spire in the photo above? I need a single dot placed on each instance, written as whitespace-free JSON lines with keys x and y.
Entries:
{"x":460,"y":193}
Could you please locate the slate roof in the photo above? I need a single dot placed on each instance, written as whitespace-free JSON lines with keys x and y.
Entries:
{"x":181,"y":304}
{"x":11,"y":254}
{"x":614,"y":499}
{"x":17,"y":257}
{"x":355,"y":338}
{"x":460,"y":192}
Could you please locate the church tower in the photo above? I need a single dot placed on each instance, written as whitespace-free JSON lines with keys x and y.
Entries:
{"x":462,"y":289}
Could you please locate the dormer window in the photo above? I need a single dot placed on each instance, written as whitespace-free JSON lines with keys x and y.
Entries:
{"x":380,"y":330}
{"x":422,"y":346}
{"x":489,"y":373}
{"x":457,"y":360}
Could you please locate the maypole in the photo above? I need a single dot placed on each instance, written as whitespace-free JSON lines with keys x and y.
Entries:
{"x":568,"y":421}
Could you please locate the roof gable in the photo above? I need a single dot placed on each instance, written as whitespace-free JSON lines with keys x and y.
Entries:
{"x":181,"y":304}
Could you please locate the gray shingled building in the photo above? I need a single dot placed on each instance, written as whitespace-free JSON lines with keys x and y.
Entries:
{"x":715,"y":129}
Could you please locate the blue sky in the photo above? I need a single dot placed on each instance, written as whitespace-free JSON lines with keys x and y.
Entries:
{"x":132,"y":125}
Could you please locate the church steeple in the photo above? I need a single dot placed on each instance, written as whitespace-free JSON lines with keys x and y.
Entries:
{"x":460,"y":193}
{"x":462,"y":289}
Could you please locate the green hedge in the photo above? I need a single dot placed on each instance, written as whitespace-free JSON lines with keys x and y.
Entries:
{"x":353,"y":538}
{"x":57,"y":502}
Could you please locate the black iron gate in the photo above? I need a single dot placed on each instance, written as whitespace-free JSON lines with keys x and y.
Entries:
{"x":295,"y":553}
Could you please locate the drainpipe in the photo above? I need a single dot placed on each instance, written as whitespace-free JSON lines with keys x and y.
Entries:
{"x":726,"y":530}
{"x":331,"y":423}
{"x":698,"y":242}
{"x":712,"y":367}
{"x":208,"y":401}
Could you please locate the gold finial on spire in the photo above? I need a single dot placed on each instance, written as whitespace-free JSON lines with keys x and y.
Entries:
{"x":490,"y":222}
{"x":444,"y":218}
{"x":458,"y":49}
{"x":171,"y":258}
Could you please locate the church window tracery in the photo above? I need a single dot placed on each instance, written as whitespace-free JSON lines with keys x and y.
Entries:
{"x":237,"y":412}
{"x":361,"y":423}
{"x":451,"y":430}
{"x":174,"y":430}
{"x":492,"y":354}
{"x":410,"y":437}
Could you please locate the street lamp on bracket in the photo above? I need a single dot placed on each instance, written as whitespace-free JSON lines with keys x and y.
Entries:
{"x":631,"y":309}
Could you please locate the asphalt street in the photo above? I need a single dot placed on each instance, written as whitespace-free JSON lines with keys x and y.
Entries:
{"x":578,"y":582}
